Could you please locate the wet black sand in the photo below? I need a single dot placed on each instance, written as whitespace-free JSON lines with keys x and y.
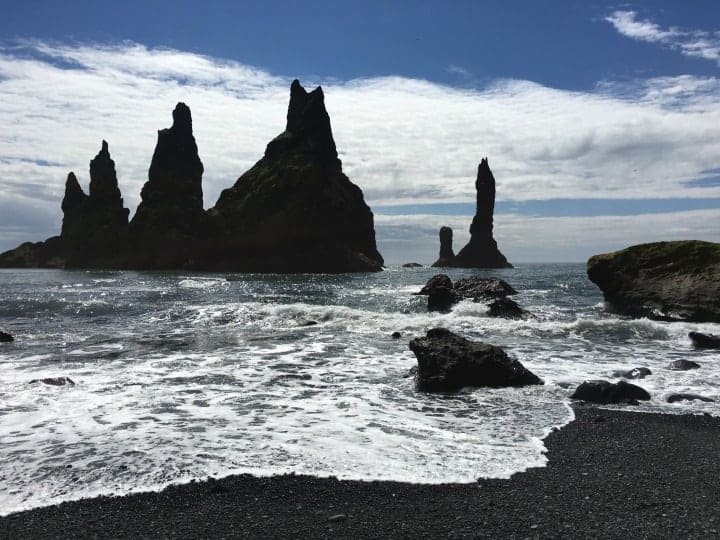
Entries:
{"x":610,"y":475}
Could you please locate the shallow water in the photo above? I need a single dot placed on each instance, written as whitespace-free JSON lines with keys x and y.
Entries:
{"x":183,"y":376}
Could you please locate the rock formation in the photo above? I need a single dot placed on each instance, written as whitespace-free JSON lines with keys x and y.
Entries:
{"x":447,"y":255}
{"x":442,"y":294}
{"x":170,"y":217}
{"x":605,"y":392}
{"x":635,"y":373}
{"x":295,"y":210}
{"x":673,"y":281}
{"x":94,"y":225}
{"x":705,"y":341}
{"x":482,"y":251}
{"x":448,"y":362}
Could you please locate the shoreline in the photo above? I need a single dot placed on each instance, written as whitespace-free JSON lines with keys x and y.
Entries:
{"x":610,"y":474}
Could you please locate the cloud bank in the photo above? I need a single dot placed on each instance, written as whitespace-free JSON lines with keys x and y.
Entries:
{"x":696,"y":43}
{"x":403,"y":141}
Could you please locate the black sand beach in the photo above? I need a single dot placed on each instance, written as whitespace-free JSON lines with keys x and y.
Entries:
{"x":611,"y":474}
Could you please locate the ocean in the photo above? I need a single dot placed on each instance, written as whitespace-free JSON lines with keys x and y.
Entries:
{"x":181,"y":376}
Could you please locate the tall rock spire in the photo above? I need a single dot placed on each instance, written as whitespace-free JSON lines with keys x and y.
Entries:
{"x":295,"y":210}
{"x":94,"y":225}
{"x":172,"y":198}
{"x":482,"y":251}
{"x":308,"y":126}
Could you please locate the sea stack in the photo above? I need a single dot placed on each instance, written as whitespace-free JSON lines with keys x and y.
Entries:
{"x":170,"y":216}
{"x":94,"y":225}
{"x":482,"y":251}
{"x":295,"y":210}
{"x":447,"y":255}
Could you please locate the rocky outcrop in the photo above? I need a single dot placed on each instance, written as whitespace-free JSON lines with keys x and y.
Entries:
{"x":482,"y":251}
{"x":672,"y":281}
{"x":683,"y":365}
{"x":606,"y":392}
{"x":169,"y":221}
{"x":412,"y":265}
{"x":447,"y":255}
{"x":295,"y":210}
{"x":448,"y":362}
{"x":442,"y":294}
{"x":704,"y":341}
{"x":6,"y":338}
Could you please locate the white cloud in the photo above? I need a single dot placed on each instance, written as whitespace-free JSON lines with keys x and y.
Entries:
{"x":401,"y":140}
{"x":696,"y":43}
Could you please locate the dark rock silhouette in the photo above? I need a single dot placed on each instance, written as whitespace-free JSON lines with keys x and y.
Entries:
{"x":447,"y":255}
{"x":672,"y":281}
{"x":442,"y":294}
{"x":482,"y":251}
{"x":704,"y":341}
{"x":295,"y":210}
{"x":508,"y":309}
{"x":170,"y":217}
{"x":448,"y":362}
{"x":6,"y":338}
{"x":55,"y":381}
{"x":606,"y":392}
{"x":94,"y":225}
{"x":635,"y":373}
{"x":412,"y":265}
{"x":683,"y":365}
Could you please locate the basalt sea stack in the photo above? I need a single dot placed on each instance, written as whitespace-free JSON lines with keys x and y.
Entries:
{"x":168,"y":227}
{"x":295,"y":210}
{"x":482,"y":251}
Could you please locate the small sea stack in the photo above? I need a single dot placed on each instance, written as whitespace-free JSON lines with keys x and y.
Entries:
{"x":447,"y":255}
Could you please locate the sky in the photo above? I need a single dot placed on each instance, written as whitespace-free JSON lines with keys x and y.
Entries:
{"x":601,"y":121}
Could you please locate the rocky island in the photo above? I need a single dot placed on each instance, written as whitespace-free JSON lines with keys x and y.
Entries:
{"x":293,"y":211}
{"x":482,"y":250}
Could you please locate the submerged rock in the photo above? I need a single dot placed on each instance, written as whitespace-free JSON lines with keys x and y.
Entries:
{"x":448,"y":362}
{"x":6,"y":338}
{"x":683,"y":365}
{"x":482,"y":251}
{"x":447,"y":255}
{"x":508,"y":309}
{"x":605,"y":392}
{"x":442,"y":299}
{"x":704,"y":341}
{"x":55,"y":381}
{"x":673,"y":398}
{"x":412,"y":265}
{"x":295,"y":210}
{"x":479,"y":288}
{"x":396,"y":335}
{"x":635,"y":373}
{"x":674,"y":281}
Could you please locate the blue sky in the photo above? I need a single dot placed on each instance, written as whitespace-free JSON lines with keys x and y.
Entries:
{"x":592,"y":114}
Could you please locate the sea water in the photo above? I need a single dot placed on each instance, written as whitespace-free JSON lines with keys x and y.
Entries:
{"x":181,"y":376}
